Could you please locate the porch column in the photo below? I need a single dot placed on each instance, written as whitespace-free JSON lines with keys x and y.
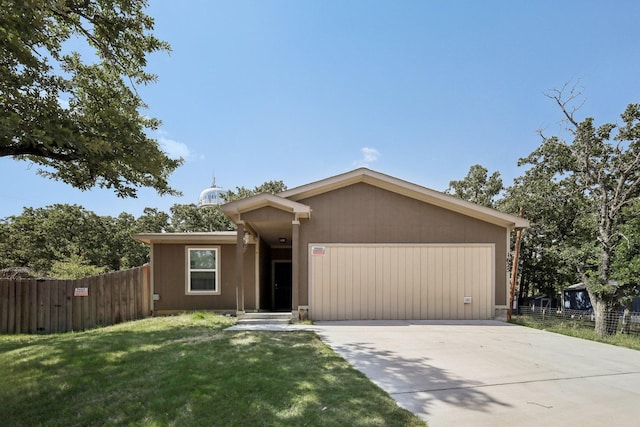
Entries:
{"x":295,"y":266}
{"x":240,"y":270}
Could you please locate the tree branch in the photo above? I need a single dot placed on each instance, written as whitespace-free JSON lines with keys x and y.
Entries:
{"x":39,"y":151}
{"x":558,"y":96}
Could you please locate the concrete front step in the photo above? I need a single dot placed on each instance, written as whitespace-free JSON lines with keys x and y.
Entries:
{"x":264,"y":319}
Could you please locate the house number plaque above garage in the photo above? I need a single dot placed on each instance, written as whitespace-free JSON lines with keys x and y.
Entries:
{"x":318,"y":250}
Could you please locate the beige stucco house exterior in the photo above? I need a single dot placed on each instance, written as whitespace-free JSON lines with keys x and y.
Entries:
{"x":360,"y":245}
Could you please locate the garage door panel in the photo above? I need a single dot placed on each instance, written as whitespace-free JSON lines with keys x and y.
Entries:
{"x":416,"y":273}
{"x":401,"y":282}
{"x":401,"y":310}
{"x":427,"y":276}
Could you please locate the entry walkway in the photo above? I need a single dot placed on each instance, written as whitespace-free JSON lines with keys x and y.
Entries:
{"x":492,"y":373}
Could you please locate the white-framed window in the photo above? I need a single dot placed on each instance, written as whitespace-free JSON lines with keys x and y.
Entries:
{"x":203,"y":270}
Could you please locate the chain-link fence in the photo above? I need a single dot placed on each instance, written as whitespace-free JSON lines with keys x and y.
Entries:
{"x":621,"y":322}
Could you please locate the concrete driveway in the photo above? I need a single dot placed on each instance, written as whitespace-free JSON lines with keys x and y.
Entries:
{"x":492,"y":373}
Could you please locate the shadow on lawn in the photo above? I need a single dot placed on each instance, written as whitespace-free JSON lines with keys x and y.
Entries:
{"x":189,"y":376}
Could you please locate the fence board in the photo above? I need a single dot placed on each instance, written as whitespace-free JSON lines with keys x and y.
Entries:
{"x":33,"y":307}
{"x":44,"y":292}
{"x":100,"y":301}
{"x":86,"y":315}
{"x":146,"y":291}
{"x":115,"y":301}
{"x":124,"y":296}
{"x":131,"y":302}
{"x":18,"y":309}
{"x":64,"y":306}
{"x":60,"y":315}
{"x":69,"y":306}
{"x":108,"y":296}
{"x":93,"y":302}
{"x":139,"y":278}
{"x":12,"y":307}
{"x":24,"y":302}
{"x":4,"y":307}
{"x":53,"y":306}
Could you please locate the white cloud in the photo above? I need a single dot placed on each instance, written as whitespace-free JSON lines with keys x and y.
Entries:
{"x":369,"y":155}
{"x":174,"y":149}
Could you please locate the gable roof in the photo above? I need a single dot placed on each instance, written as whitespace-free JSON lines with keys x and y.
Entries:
{"x":234,"y":209}
{"x":408,"y":189}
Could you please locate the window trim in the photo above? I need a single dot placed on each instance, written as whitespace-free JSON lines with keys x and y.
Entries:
{"x":189,"y":270}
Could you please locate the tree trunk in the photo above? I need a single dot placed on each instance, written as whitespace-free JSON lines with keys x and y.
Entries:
{"x":606,"y":317}
{"x":626,"y":319}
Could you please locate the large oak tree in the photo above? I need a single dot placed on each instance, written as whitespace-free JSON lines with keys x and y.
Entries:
{"x":601,"y":165}
{"x":68,"y":100}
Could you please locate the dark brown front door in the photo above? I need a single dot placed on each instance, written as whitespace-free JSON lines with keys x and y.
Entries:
{"x":282,"y":285}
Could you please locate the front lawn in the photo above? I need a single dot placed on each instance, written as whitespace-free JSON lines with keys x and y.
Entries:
{"x":185,"y":371}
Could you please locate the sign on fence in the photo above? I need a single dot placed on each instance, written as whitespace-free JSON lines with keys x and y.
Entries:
{"x":81,"y":292}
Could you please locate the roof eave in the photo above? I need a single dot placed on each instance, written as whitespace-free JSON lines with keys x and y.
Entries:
{"x":215,"y":237}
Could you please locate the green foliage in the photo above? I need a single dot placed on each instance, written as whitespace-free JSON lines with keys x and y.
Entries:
{"x":68,"y":99}
{"x":477,"y":187}
{"x":60,"y":240}
{"x":125,"y":251}
{"x":191,"y":218}
{"x":626,"y":260}
{"x":39,"y":237}
{"x":75,"y":267}
{"x":271,"y":187}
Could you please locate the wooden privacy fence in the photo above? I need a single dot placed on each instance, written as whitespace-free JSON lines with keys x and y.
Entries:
{"x":44,"y":306}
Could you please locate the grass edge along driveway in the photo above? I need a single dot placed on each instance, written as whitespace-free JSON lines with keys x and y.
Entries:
{"x":185,"y":371}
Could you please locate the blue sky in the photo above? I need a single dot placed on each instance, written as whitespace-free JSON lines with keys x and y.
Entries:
{"x":302,"y":90}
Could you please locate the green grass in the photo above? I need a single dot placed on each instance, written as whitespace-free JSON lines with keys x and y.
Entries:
{"x":185,"y":371}
{"x":578,"y":329}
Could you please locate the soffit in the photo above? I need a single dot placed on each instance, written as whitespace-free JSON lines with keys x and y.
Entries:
{"x":216,"y":237}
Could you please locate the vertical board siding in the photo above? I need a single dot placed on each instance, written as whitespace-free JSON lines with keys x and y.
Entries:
{"x":369,"y":282}
{"x":29,"y":306}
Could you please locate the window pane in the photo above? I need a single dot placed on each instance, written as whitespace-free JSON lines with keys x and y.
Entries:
{"x":203,"y":281}
{"x":203,"y":259}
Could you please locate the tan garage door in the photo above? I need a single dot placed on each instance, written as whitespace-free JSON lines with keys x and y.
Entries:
{"x":435,"y":282}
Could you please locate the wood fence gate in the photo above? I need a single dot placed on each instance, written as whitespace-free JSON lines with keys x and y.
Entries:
{"x":45,"y":306}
